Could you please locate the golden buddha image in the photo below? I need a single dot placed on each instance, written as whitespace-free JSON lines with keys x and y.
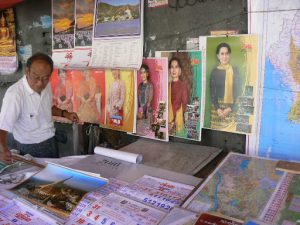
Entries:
{"x":7,"y":44}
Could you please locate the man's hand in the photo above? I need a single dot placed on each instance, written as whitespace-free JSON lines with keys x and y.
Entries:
{"x":5,"y":154}
{"x":71,"y":116}
{"x":6,"y":157}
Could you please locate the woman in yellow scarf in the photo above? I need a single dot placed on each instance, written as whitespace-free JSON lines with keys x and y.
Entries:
{"x":224,"y":91}
{"x":178,"y":98}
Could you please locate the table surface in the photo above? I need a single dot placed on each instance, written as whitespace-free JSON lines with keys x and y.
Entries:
{"x":177,"y":157}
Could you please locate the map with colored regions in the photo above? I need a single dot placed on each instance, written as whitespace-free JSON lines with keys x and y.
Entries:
{"x":279,"y":129}
{"x":240,"y":187}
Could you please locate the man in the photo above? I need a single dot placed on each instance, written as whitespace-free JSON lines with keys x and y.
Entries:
{"x":26,"y":111}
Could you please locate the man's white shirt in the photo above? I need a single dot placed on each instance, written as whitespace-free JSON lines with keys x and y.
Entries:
{"x":27,"y":114}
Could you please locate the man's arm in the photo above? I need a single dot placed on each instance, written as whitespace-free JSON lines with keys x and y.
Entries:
{"x":64,"y":113}
{"x":5,"y":153}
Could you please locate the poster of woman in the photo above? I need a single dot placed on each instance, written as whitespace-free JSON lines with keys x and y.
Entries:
{"x":89,"y":95}
{"x":120,"y":99}
{"x":152,"y":99}
{"x":231,"y":75}
{"x":62,"y":92}
{"x":185,"y":94}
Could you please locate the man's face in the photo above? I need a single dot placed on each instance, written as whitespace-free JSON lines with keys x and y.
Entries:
{"x":38,"y":75}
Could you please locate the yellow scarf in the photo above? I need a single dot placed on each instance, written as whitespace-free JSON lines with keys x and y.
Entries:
{"x":228,"y":95}
{"x":179,"y":114}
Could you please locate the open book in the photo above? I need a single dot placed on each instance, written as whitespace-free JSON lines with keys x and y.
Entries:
{"x":57,"y":189}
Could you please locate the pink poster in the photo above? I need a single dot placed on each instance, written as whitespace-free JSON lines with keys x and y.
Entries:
{"x":152,"y":98}
{"x":62,"y":92}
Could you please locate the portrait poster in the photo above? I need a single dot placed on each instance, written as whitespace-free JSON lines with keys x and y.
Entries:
{"x":62,"y":92}
{"x":231,"y":83}
{"x":63,"y":32}
{"x":120,"y":100}
{"x":8,"y":54}
{"x":83,"y":33}
{"x":58,"y":189}
{"x":152,"y":99}
{"x":89,"y":95}
{"x":117,"y":18}
{"x":185,"y":102}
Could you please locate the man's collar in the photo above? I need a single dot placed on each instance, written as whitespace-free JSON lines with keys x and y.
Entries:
{"x":27,"y":86}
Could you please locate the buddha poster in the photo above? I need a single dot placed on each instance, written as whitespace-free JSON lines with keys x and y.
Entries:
{"x":152,"y":99}
{"x":120,"y":100}
{"x":231,"y":83}
{"x":8,"y":55}
{"x":89,"y":95}
{"x":184,"y":94}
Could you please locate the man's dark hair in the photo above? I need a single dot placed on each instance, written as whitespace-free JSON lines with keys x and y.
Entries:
{"x":223,"y":45}
{"x":40,"y":56}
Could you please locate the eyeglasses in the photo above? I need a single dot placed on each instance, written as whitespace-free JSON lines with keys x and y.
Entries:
{"x":37,"y":79}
